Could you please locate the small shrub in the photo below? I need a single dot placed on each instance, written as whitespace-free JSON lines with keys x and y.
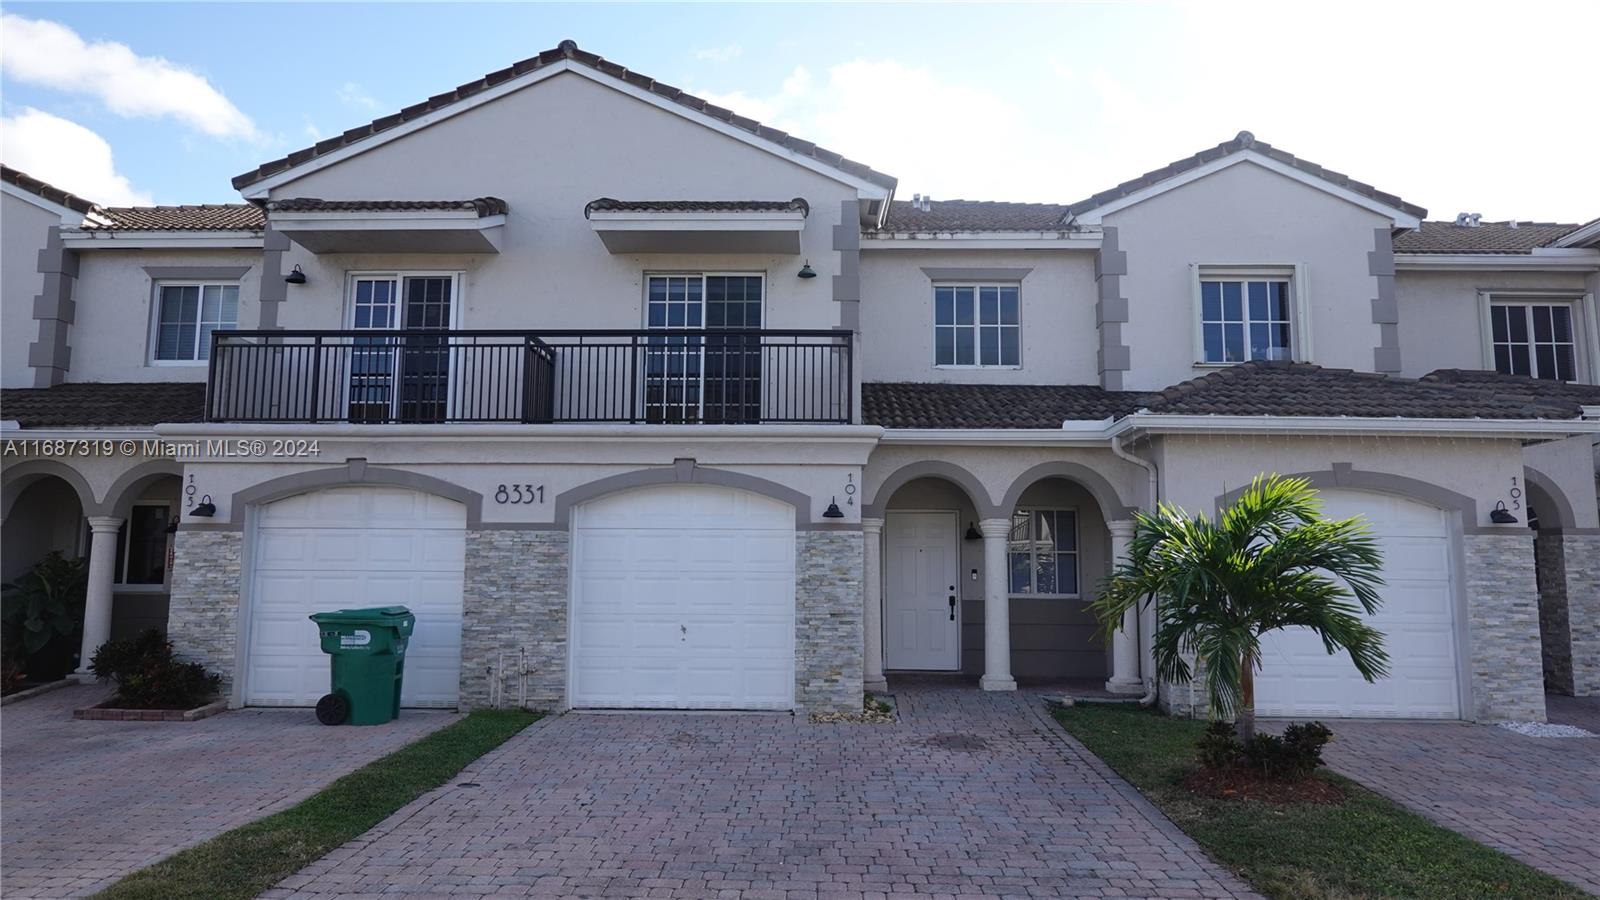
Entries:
{"x":1219,"y":747}
{"x":149,"y":676}
{"x":41,"y":618}
{"x":1291,"y":757}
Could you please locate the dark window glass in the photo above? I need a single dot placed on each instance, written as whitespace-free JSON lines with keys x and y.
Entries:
{"x":1258,"y":300}
{"x":1518,"y":322}
{"x":1541,"y":324}
{"x":1232,"y":308}
{"x":1210,"y":301}
{"x":1497,"y":323}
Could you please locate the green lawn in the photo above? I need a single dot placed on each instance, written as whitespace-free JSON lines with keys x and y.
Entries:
{"x":1367,"y":847}
{"x":247,"y":860}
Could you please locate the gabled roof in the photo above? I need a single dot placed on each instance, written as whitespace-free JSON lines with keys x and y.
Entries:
{"x":1485,"y":237}
{"x":567,"y":51}
{"x":975,"y":215}
{"x":95,"y":404}
{"x":610,"y":204}
{"x":1585,"y":235}
{"x":484,"y":206}
{"x":44,"y":190}
{"x":1243,"y":142}
{"x":204,"y":217}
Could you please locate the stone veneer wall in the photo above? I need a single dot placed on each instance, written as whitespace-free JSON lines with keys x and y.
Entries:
{"x":1581,"y":553}
{"x":203,"y":615}
{"x":1503,"y":627}
{"x":828,"y":628}
{"x":1555,"y":639}
{"x":515,"y":599}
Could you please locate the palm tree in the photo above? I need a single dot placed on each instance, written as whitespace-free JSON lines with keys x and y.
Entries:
{"x":1271,"y":561}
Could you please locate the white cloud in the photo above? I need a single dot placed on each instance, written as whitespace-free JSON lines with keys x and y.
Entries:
{"x":67,"y":155}
{"x":352,"y":94}
{"x":720,"y":54}
{"x":46,"y":53}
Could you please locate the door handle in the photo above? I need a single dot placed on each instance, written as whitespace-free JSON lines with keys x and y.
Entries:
{"x":952,"y":607}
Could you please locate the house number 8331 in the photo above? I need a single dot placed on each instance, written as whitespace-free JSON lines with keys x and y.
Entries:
{"x":519,"y":493}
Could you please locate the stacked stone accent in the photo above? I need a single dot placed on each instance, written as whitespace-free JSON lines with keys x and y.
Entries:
{"x":1555,"y":638}
{"x":1581,"y":555}
{"x":515,"y":603}
{"x":828,"y":625}
{"x":1503,"y":627}
{"x":203,"y":615}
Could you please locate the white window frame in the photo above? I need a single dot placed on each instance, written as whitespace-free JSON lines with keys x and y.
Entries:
{"x":1299,"y":305}
{"x":1077,"y":555}
{"x":457,"y":289}
{"x":155,"y":315}
{"x":977,"y":326}
{"x":1585,"y":322}
{"x":119,"y":579}
{"x":702,"y":274}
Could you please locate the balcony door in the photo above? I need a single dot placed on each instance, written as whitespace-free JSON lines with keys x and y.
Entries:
{"x":711,"y":377}
{"x":401,"y":376}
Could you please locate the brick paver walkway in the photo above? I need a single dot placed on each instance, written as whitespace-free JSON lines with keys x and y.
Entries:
{"x":969,"y":793}
{"x":1537,"y":799}
{"x":84,"y":803}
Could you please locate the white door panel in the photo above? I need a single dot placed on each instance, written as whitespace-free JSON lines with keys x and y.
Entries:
{"x":921,"y":627}
{"x":351,"y":547}
{"x":683,"y":597}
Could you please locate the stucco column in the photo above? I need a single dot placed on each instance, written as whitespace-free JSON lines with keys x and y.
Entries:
{"x":996,"y":607}
{"x":97,"y":605}
{"x":1125,"y":643}
{"x":872,"y":605}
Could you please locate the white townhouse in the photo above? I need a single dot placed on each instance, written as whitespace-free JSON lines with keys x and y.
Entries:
{"x":641,"y":403}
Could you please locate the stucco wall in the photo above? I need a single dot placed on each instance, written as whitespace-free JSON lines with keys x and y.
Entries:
{"x":1244,"y":215}
{"x":23,"y":227}
{"x":1440,"y":324}
{"x":1570,"y":467}
{"x":547,"y":151}
{"x":111,"y":337}
{"x":1057,"y":299}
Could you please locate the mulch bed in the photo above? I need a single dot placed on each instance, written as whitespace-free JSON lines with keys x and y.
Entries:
{"x":1247,"y":784}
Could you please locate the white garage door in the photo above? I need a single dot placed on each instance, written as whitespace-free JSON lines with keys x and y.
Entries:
{"x":352,"y":547}
{"x":1298,"y":678}
{"x":683,"y":598}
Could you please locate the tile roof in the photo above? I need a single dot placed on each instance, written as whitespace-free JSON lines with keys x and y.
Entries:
{"x":1300,"y":389}
{"x":1518,"y":388}
{"x":206,"y":217}
{"x":611,"y":204}
{"x":975,"y":215}
{"x":567,"y":50}
{"x":1243,"y":141}
{"x":43,"y":189}
{"x":485,"y":206}
{"x":922,"y":405}
{"x":102,"y":404}
{"x":1485,"y":237}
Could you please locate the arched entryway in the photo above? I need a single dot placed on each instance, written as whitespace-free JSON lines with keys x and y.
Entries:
{"x":1550,"y":517}
{"x":44,"y":515}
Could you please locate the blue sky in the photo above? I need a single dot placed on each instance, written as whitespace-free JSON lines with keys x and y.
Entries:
{"x":1458,"y":107}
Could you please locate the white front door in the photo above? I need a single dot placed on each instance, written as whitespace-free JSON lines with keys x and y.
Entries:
{"x":352,"y":547}
{"x":683,"y":597}
{"x":921,"y":620}
{"x":1299,"y":678}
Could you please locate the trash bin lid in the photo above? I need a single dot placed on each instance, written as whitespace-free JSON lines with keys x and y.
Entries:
{"x":366,"y":615}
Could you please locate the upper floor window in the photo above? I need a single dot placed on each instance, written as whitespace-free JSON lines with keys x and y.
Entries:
{"x":977,"y":325}
{"x":185,"y":316}
{"x":1044,"y":552}
{"x":1245,"y":318}
{"x":1539,"y":339}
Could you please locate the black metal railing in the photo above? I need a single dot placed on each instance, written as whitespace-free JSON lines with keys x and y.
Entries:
{"x":654,"y":376}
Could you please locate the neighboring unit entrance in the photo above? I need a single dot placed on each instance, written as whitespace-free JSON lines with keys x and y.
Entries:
{"x":1298,"y":678}
{"x":351,"y":547}
{"x":921,"y":619}
{"x":683,"y":597}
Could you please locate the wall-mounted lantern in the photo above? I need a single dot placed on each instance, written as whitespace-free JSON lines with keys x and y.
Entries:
{"x":806,"y":271}
{"x":205,"y":509}
{"x":296,"y":276}
{"x":833,"y":511}
{"x":1502,"y":516}
{"x":973,"y":534}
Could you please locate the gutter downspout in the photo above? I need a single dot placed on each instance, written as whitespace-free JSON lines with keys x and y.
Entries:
{"x":1147,"y":662}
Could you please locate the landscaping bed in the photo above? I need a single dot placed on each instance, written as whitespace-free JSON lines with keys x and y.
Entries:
{"x":109,"y":711}
{"x":1315,"y":846}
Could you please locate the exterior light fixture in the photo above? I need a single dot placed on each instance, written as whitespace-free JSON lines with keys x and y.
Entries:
{"x":1500,"y":515}
{"x":833,"y":511}
{"x":205,"y":510}
{"x":806,"y":271}
{"x":973,"y":534}
{"x":296,"y":276}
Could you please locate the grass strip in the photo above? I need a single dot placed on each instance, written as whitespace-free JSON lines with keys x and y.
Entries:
{"x":1368,"y":846}
{"x":252,"y":858}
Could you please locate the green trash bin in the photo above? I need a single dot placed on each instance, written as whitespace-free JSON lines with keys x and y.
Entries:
{"x":368,"y":647}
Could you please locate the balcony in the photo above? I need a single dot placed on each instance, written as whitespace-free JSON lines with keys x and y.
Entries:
{"x":655,"y":376}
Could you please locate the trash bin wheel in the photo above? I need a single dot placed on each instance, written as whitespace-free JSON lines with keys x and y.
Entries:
{"x":333,"y":709}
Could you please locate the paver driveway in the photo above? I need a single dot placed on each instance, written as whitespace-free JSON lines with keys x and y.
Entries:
{"x":968,"y":793}
{"x":85,"y":803}
{"x":1537,"y":799}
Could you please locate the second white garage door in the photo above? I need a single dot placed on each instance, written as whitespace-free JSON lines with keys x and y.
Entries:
{"x":1298,"y":678}
{"x":683,"y":598}
{"x":351,"y":547}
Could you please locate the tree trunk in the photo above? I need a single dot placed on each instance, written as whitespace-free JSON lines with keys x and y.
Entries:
{"x":1246,"y":726}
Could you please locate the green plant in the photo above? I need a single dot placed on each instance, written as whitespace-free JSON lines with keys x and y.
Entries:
{"x":1219,"y":747}
{"x":41,"y":616}
{"x":149,"y":676}
{"x":1269,"y":561}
